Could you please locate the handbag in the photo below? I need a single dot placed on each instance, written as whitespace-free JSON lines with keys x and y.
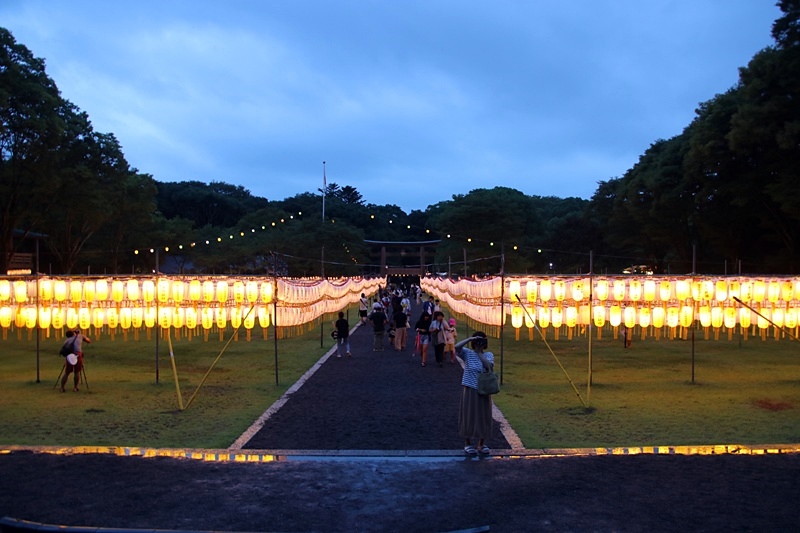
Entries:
{"x":488,"y":383}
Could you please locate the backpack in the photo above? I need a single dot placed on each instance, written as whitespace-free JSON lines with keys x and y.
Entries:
{"x":67,"y":348}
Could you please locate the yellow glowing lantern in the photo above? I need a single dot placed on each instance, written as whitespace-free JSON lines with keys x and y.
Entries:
{"x":618,"y":290}
{"x":165,"y":317}
{"x":529,"y":321}
{"x":729,"y":317}
{"x":644,"y":317}
{"x":649,"y":290}
{"x":777,"y":316}
{"x":207,"y":318}
{"x":238,"y":292}
{"x":263,"y":317}
{"x":687,"y":316}
{"x":571,"y":316}
{"x":88,"y":291}
{"x":45,"y":290}
{"x":191,"y":317}
{"x":773,"y":291}
{"x":665,"y":291}
{"x":790,"y":320}
{"x":60,"y":290}
{"x":30,"y":317}
{"x":635,"y":290}
{"x":599,"y":315}
{"x":112,"y":317}
{"x":658,"y":317}
{"x":601,"y":290}
{"x":682,"y":289}
{"x":560,"y":290}
{"x":162,"y":290}
{"x":236,"y":317}
{"x":98,"y":317}
{"x":514,"y":291}
{"x":45,"y":314}
{"x":530,"y":291}
{"x":787,"y":291}
{"x":615,"y":315}
{"x":178,"y":317}
{"x":195,"y":290}
{"x":266,"y":292}
{"x":763,"y":315}
{"x":721,"y":290}
{"x":746,"y":291}
{"x":251,"y":292}
{"x":5,"y":316}
{"x":716,"y":317}
{"x":734,"y":289}
{"x":577,"y":290}
{"x":137,"y":317}
{"x":208,"y":291}
{"x":629,"y":315}
{"x":72,"y":318}
{"x":759,"y":291}
{"x":516,"y":317}
{"x":705,"y":316}
{"x":19,"y":317}
{"x":221,"y":317}
{"x":745,"y":317}
{"x":708,"y":290}
{"x":21,"y":292}
{"x":118,"y":290}
{"x":101,"y":288}
{"x":250,"y":320}
{"x":150,"y":317}
{"x":5,"y":290}
{"x":584,"y":314}
{"x":125,"y":317}
{"x":58,"y":318}
{"x":84,"y":318}
{"x":545,"y":290}
{"x":697,"y":290}
{"x":222,"y":292}
{"x":148,"y":291}
{"x":75,"y":291}
{"x":673,"y":315}
{"x":178,"y":289}
{"x":557,"y":317}
{"x":544,"y":316}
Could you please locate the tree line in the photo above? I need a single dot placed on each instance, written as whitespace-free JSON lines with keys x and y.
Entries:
{"x":721,"y":197}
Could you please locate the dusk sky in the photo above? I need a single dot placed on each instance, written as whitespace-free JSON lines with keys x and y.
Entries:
{"x":408,"y":102}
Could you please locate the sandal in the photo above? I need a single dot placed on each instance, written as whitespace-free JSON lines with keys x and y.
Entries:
{"x":470,"y":450}
{"x":485,"y":450}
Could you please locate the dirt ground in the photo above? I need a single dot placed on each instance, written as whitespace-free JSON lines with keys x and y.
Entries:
{"x":387,"y":401}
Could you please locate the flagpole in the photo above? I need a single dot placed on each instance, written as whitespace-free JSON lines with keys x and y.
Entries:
{"x":324,"y":190}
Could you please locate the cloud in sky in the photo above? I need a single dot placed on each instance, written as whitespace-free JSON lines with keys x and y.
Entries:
{"x":408,"y":102}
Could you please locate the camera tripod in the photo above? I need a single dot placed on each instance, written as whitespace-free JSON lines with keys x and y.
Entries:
{"x":81,"y":374}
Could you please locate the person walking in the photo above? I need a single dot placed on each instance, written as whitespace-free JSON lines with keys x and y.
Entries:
{"x":74,"y":361}
{"x":378,"y":319}
{"x":363,"y":307}
{"x":475,"y":413}
{"x":451,"y":336}
{"x":438,"y":330}
{"x":400,"y":323}
{"x":342,"y":327}
{"x":423,"y":331}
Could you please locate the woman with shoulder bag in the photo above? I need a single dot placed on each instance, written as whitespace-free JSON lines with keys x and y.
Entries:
{"x":475,"y":415}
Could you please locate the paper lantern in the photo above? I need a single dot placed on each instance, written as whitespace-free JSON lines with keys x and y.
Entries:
{"x":577,"y":291}
{"x":222,"y":292}
{"x":615,"y":315}
{"x":759,"y":291}
{"x":251,"y":292}
{"x":649,"y":290}
{"x":45,"y":315}
{"x":761,"y":318}
{"x":571,"y":316}
{"x":98,"y":318}
{"x":249,"y":320}
{"x":207,"y":318}
{"x":221,"y":317}
{"x":148,"y":291}
{"x":88,"y":291}
{"x":787,"y":291}
{"x":773,"y":291}
{"x":729,"y":317}
{"x":162,"y":291}
{"x":19,"y":318}
{"x":266,"y":292}
{"x":645,"y":317}
{"x":599,"y":315}
{"x":137,"y":317}
{"x":263,"y":316}
{"x":21,"y":292}
{"x":514,"y":291}
{"x":84,"y":318}
{"x":707,"y":290}
{"x":618,"y":290}
{"x":195,"y":290}
{"x":150,"y":317}
{"x":721,"y":290}
{"x":530,"y":291}
{"x":238,"y":292}
{"x":165,"y":317}
{"x":790,"y":320}
{"x":601,"y":290}
{"x":687,"y":316}
{"x":658,"y":317}
{"x":557,"y":317}
{"x":560,"y":290}
{"x":629,"y":317}
{"x":635,"y":290}
{"x":60,"y":290}
{"x":58,"y":318}
{"x":705,"y":317}
{"x":208,"y":291}
{"x":777,"y":316}
{"x":665,"y":291}
{"x":545,"y":290}
{"x":118,"y":291}
{"x":683,"y":289}
{"x":30,"y":317}
{"x":75,"y":291}
{"x":236,"y":316}
{"x":529,"y":320}
{"x":178,"y":317}
{"x":744,"y":317}
{"x":101,"y":288}
{"x":178,"y":290}
{"x":72,"y":318}
{"x":45,"y":290}
{"x":584,"y":314}
{"x":5,"y":291}
{"x":112,"y":317}
{"x":191,"y":316}
{"x":125,"y":317}
{"x":716,"y":317}
{"x":516,"y":317}
{"x":746,"y":291}
{"x":734,"y":289}
{"x":544,"y":317}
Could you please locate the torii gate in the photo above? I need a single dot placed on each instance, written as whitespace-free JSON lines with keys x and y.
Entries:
{"x":396,"y":248}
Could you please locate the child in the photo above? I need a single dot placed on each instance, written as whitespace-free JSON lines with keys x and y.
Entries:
{"x":451,"y":337}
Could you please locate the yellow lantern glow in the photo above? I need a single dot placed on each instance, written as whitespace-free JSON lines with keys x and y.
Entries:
{"x":514,"y":291}
{"x":45,"y":290}
{"x":601,"y":290}
{"x":708,"y":290}
{"x":734,"y":289}
{"x":148,"y":292}
{"x":665,"y":291}
{"x":207,"y":318}
{"x":516,"y":317}
{"x":101,"y":288}
{"x":45,"y":314}
{"x":560,"y":290}
{"x":178,"y":289}
{"x":125,"y":317}
{"x":221,"y":317}
{"x":787,"y":291}
{"x":72,"y":318}
{"x":112,"y":317}
{"x":150,"y":317}
{"x":687,"y":316}
{"x":615,"y":315}
{"x":5,"y":316}
{"x":635,"y":290}
{"x":773,"y":291}
{"x":530,"y":291}
{"x":195,"y":290}
{"x":599,"y":315}
{"x":19,"y":318}
{"x":84,"y":318}
{"x":649,"y":290}
{"x":5,"y":291}
{"x":682,"y":289}
{"x":761,"y":320}
{"x":571,"y":316}
{"x":178,"y":317}
{"x":162,"y":291}
{"x":729,"y":317}
{"x":716,"y":317}
{"x":557,"y":317}
{"x":673,"y":315}
{"x":544,"y":317}
{"x":577,"y":290}
{"x":88,"y":291}
{"x":137,"y":317}
{"x":30,"y":317}
{"x":705,"y":316}
{"x":75,"y":291}
{"x":266,"y":292}
{"x":759,"y":291}
{"x":251,"y":292}
{"x":545,"y":291}
{"x":208,"y":291}
{"x":658,"y":317}
{"x":60,"y":290}
{"x":191,"y":316}
{"x":746,"y":291}
{"x":790,"y":319}
{"x":250,"y":319}
{"x":777,"y":317}
{"x":58,"y":318}
{"x":236,"y":316}
{"x":745,"y":317}
{"x":645,"y":317}
{"x":238,"y":292}
{"x":629,"y":315}
{"x":118,"y":291}
{"x":263,"y":316}
{"x":529,"y":321}
{"x":721,"y":290}
{"x":222,"y":291}
{"x":619,"y":290}
{"x":21,"y":292}
{"x":98,"y":317}
{"x":165,"y":317}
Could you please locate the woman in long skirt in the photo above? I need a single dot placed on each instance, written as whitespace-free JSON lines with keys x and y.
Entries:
{"x":475,"y":415}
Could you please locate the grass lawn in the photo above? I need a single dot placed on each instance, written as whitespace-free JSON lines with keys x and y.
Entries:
{"x":743,"y":392}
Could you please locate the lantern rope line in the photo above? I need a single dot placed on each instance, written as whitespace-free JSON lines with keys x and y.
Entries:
{"x":175,"y":372}
{"x":233,"y":335}
{"x":781,"y":328}
{"x":552,"y":353}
